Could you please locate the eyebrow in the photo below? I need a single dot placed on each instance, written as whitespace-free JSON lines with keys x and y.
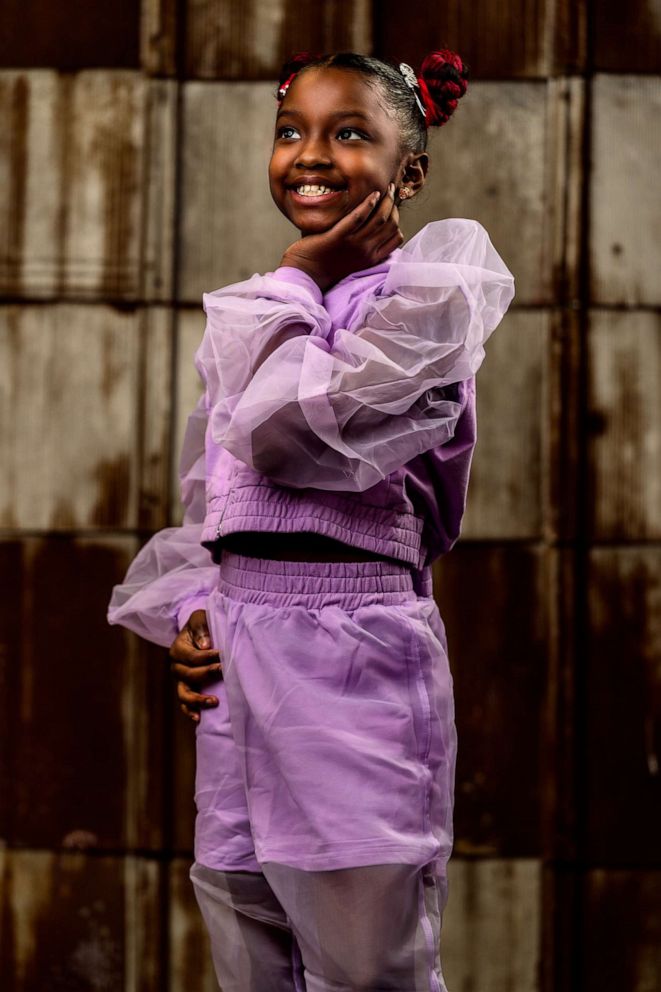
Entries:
{"x":335,"y":116}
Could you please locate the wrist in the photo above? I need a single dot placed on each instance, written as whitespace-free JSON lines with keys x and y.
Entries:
{"x":295,"y":262}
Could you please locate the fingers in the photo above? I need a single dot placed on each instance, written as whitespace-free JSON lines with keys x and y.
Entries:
{"x":183,"y":649}
{"x":355,"y":219}
{"x":194,"y":700}
{"x":196,"y":676}
{"x":197,"y":624}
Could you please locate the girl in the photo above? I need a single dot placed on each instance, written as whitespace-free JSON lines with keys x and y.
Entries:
{"x":323,"y":471}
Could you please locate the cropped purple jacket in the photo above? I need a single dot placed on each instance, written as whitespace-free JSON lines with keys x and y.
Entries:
{"x":349,"y":414}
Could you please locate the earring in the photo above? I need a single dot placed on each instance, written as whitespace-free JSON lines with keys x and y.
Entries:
{"x":404,"y":192}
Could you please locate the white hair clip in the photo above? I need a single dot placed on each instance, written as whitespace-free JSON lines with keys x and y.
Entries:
{"x":411,"y":81}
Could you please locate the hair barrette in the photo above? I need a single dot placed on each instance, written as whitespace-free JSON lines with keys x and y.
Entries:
{"x":411,"y":81}
{"x":285,"y":86}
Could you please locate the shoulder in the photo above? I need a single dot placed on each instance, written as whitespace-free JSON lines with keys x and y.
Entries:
{"x":462,"y":240}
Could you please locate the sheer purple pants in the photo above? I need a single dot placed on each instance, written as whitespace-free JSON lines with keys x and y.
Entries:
{"x":325,"y":778}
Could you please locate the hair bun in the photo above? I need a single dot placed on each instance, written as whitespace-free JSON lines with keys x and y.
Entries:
{"x":443,"y":81}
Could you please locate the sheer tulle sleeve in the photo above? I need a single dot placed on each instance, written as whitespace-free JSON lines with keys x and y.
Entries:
{"x":172,"y":575}
{"x":340,"y":411}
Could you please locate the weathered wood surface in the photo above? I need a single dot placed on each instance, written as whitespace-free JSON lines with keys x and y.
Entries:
{"x":70,"y":34}
{"x":623,"y":708}
{"x":508,"y":490}
{"x":491,"y":932}
{"x":85,"y":397}
{"x":622,"y":930}
{"x":625,"y":421}
{"x":250,"y":40}
{"x":627,"y":39}
{"x":190,"y":968}
{"x":84,"y":704}
{"x":79,"y":922}
{"x":492,"y":600}
{"x":75,"y":164}
{"x":625,"y":207}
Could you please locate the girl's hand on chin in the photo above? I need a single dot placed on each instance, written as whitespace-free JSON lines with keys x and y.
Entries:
{"x":362,"y":238}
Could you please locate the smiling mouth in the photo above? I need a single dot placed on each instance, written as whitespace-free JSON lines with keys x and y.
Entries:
{"x":314,"y":193}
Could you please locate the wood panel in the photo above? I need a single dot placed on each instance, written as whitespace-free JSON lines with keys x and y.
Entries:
{"x":495,"y":161}
{"x":497,"y":40}
{"x":625,"y":419}
{"x":230,"y":227}
{"x":491,"y":934}
{"x":77,"y":922}
{"x":75,"y":381}
{"x":627,"y":39}
{"x":190,"y":328}
{"x":251,"y":40}
{"x":71,"y":34}
{"x":507,"y":496}
{"x":492,"y":599}
{"x":625,"y":208}
{"x":622,"y":931}
{"x":623,"y":707}
{"x":85,"y":704}
{"x":74,"y":163}
{"x":190,"y":966}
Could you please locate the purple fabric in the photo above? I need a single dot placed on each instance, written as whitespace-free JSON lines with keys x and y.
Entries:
{"x":288,"y":930}
{"x":334,"y":743}
{"x":398,"y":344}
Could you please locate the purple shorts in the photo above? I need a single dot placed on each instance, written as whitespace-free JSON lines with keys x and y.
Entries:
{"x":334,"y":742}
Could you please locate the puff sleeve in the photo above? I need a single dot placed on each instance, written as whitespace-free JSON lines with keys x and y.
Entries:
{"x":172,"y":575}
{"x":341,"y":411}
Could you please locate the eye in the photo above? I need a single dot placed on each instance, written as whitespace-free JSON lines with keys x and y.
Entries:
{"x":351,"y":130}
{"x":287,"y":131}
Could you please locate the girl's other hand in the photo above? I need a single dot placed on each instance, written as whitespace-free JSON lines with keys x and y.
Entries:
{"x":195,"y":662}
{"x":362,"y":238}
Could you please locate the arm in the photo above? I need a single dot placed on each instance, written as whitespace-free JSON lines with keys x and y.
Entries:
{"x":342,"y":416}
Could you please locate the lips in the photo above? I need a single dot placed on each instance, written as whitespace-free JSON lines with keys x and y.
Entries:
{"x":314,"y":195}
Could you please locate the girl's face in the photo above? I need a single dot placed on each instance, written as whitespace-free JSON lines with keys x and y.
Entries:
{"x":332,"y":133}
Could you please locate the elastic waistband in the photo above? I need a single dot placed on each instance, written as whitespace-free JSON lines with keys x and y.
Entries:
{"x":314,"y":584}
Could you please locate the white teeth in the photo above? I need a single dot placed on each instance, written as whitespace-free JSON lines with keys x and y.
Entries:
{"x":313,"y":190}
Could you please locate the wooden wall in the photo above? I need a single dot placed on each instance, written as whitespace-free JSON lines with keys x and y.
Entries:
{"x":132,"y":165}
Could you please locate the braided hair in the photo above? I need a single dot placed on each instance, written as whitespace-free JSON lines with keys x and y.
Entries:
{"x":442,"y":81}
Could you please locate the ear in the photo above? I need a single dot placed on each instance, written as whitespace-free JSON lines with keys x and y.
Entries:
{"x":413,"y":171}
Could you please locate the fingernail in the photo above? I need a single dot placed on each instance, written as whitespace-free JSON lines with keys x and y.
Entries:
{"x":203,"y":643}
{"x":210,"y":701}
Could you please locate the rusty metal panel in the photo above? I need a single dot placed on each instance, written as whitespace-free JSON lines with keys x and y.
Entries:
{"x":625,"y":207}
{"x":496,"y":40}
{"x":86,"y":706}
{"x":160,"y":36}
{"x":159,"y":191}
{"x":251,"y":40}
{"x":72,"y":390}
{"x":190,"y":328}
{"x":493,"y":600}
{"x":627,"y":38}
{"x":230,"y":227}
{"x":507,"y":495}
{"x":623,"y":729}
{"x":190,"y":965}
{"x":622,"y":933}
{"x":495,"y":162}
{"x":70,"y":34}
{"x":71,"y":921}
{"x":74,"y":163}
{"x":625,"y":419}
{"x":491,"y":935}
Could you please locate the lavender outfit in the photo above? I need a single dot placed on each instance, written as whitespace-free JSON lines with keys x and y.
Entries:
{"x":332,"y":751}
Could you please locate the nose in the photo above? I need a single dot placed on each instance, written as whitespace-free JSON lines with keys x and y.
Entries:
{"x":313,"y":153}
